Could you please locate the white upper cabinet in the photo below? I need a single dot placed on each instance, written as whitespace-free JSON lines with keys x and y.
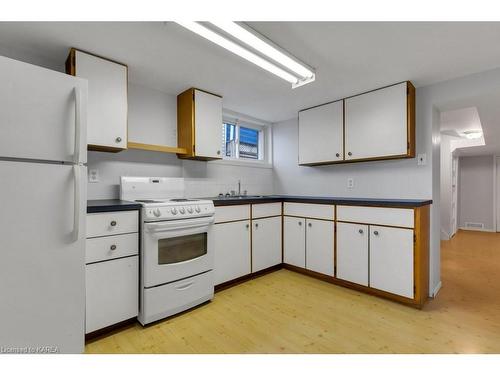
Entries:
{"x":376,"y":124}
{"x":107,"y":99}
{"x":199,"y":124}
{"x":321,"y":134}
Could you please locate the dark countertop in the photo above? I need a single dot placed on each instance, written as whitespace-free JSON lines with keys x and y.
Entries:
{"x":322,"y":200}
{"x":108,"y":205}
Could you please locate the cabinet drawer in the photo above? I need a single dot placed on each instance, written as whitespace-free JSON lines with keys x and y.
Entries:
{"x":398,"y":217}
{"x":112,"y":292}
{"x":111,"y":223}
{"x":110,"y":247}
{"x":316,"y":211}
{"x":266,"y":210}
{"x":232,"y":213}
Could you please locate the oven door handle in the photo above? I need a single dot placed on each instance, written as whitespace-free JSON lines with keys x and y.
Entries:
{"x":178,"y":224}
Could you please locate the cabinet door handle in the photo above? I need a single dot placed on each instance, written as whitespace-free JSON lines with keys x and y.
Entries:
{"x":118,"y":139}
{"x":360,"y":231}
{"x":256,"y":225}
{"x":218,"y":152}
{"x":300,"y":223}
{"x":337,"y":154}
{"x":375,"y":232}
{"x":309,"y":225}
{"x":113,"y":223}
{"x":349,"y":153}
{"x":112,"y":247}
{"x":247,"y":226}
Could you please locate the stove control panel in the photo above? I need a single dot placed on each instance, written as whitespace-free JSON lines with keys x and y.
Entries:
{"x":179,"y":211}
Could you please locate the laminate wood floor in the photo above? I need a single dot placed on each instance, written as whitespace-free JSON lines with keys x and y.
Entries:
{"x":286,"y":312}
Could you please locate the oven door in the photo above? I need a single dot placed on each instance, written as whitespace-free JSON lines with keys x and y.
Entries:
{"x":176,"y":249}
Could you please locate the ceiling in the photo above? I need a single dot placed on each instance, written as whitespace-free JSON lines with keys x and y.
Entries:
{"x":349,"y":57}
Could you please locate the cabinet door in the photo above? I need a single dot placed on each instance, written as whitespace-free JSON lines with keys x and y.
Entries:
{"x":294,"y":241}
{"x":232,"y":250}
{"x":266,"y":243}
{"x":376,"y":123}
{"x":321,"y":134}
{"x":320,"y":246}
{"x":352,"y":253}
{"x":208,"y":124}
{"x":107,"y":100}
{"x":112,"y":290}
{"x":391,"y":260}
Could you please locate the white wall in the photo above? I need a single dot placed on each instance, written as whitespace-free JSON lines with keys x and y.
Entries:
{"x":476,"y":193}
{"x":446,"y":189}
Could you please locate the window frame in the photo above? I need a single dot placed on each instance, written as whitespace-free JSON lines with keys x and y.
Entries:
{"x":264,"y":145}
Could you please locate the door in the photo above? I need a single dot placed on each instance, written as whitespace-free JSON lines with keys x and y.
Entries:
{"x":391,"y":260}
{"x":208,"y":124}
{"x":320,"y":246}
{"x":43,"y":113}
{"x":112,"y":292}
{"x":176,"y":249}
{"x":352,"y":253}
{"x":107,"y":100}
{"x":294,"y":241}
{"x":232,"y":250}
{"x":454,"y":195}
{"x":376,"y":123}
{"x":42,"y":256}
{"x":266,"y":243}
{"x":321,"y":133}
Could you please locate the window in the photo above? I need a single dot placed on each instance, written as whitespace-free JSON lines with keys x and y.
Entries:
{"x":242,"y":141}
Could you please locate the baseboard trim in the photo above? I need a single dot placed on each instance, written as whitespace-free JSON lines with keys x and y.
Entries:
{"x":478,"y":229}
{"x":436,"y":289}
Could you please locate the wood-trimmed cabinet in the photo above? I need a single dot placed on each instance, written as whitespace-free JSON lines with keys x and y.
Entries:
{"x":375,"y":125}
{"x":199,"y":124}
{"x":107,"y":109}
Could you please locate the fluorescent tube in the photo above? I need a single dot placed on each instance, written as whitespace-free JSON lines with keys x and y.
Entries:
{"x":238,"y":50}
{"x":263,"y":47}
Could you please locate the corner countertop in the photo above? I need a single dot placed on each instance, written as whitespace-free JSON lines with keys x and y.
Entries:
{"x":410,"y":203}
{"x":109,"y":205}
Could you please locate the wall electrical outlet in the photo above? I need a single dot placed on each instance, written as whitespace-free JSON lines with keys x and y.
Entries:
{"x":421,"y":159}
{"x":93,"y":175}
{"x":350,"y":183}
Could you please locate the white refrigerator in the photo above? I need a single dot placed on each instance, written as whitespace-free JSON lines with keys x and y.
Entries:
{"x":42,"y":209}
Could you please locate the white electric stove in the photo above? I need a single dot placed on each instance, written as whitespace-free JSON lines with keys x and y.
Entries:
{"x":176,"y":246}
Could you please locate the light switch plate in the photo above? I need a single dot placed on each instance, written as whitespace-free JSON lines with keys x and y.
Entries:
{"x":350,"y":183}
{"x":93,"y":175}
{"x":421,"y":159}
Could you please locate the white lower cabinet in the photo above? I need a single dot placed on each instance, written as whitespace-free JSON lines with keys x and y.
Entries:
{"x":391,"y":260}
{"x":266,"y":243}
{"x":112,"y":289}
{"x":352,"y":253}
{"x":320,"y":246}
{"x":294,"y":241}
{"x":232,"y":250}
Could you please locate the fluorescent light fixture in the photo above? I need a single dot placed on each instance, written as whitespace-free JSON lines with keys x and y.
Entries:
{"x":263,"y":47}
{"x":295,"y":80}
{"x":473,"y":134}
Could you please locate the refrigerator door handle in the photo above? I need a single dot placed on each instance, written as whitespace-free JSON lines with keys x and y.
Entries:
{"x":78,"y":123}
{"x":76,"y":208}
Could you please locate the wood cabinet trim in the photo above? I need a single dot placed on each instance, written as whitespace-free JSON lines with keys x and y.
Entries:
{"x":158,"y":148}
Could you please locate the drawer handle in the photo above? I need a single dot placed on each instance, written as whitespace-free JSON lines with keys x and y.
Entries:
{"x":310,"y":225}
{"x":300,"y":223}
{"x":375,"y":232}
{"x":185,"y":286}
{"x":113,"y":223}
{"x":112,"y":247}
{"x":360,"y":231}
